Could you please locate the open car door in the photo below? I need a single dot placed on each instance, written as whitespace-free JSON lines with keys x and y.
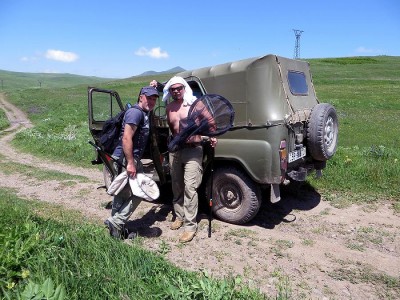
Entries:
{"x":102,"y":105}
{"x":105,"y":104}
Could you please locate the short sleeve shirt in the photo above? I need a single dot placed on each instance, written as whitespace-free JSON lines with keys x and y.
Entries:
{"x":135,"y":116}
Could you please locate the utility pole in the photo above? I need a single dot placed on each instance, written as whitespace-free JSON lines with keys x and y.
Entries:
{"x":297,"y":33}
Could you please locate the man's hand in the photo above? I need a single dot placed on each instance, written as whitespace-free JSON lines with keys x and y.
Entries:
{"x":213,"y":142}
{"x":131,"y":170}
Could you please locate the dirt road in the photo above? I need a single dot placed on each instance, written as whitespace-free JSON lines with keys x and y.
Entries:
{"x":320,"y":251}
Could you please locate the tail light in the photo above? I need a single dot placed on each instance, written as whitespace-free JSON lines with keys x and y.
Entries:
{"x":108,"y":157}
{"x":283,"y":155}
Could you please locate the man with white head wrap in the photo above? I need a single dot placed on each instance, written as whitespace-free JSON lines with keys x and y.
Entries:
{"x":188,"y":97}
{"x":185,"y":163}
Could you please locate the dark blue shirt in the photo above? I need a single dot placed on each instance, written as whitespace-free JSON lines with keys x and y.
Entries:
{"x":135,"y":116}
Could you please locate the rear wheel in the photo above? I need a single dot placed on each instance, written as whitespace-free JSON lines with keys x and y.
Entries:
{"x":236,"y":198}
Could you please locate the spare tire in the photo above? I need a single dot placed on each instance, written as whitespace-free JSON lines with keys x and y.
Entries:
{"x":322,"y":132}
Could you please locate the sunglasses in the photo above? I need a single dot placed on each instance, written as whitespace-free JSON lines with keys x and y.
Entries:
{"x":177,"y":89}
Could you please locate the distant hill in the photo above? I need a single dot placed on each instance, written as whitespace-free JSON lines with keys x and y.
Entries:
{"x":152,"y":73}
{"x":10,"y":80}
{"x":13,"y":80}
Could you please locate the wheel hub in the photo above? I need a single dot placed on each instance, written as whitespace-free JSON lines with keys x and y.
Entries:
{"x":230,"y":198}
{"x":329,"y":132}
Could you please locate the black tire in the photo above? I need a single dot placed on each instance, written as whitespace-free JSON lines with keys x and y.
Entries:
{"x":322,"y":132}
{"x":107,"y":177}
{"x":236,"y":198}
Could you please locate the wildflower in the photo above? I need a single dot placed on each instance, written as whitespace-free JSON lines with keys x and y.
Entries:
{"x":10,"y":285}
{"x":25,"y":273}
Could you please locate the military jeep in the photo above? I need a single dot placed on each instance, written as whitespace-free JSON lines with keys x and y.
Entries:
{"x":281,"y":132}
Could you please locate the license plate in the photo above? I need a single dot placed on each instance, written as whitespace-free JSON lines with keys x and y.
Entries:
{"x":297,"y":154}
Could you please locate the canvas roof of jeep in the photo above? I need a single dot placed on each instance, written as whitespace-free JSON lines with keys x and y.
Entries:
{"x":284,"y":84}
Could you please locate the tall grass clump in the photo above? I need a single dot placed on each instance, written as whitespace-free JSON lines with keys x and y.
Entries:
{"x":76,"y":260}
{"x":3,"y":120}
{"x":23,"y":240}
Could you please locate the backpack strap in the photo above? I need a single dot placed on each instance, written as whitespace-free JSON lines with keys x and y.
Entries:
{"x":139,"y":108}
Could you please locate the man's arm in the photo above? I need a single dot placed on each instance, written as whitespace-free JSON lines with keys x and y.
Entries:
{"x":127,"y":146}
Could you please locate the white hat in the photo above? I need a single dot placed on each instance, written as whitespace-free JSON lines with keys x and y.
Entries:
{"x":118,"y":184}
{"x":144,"y":187}
{"x":141,"y":186}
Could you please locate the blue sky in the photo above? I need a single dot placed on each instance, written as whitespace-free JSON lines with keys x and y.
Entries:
{"x":123,"y":38}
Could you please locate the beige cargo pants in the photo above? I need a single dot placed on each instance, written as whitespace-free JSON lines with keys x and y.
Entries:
{"x":186,"y":175}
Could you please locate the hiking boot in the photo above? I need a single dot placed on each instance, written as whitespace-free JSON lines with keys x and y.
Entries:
{"x":187,"y":236}
{"x":176,"y":224}
{"x":114,"y":231}
{"x":132,"y":235}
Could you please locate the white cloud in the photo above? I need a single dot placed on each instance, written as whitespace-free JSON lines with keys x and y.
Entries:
{"x":61,"y":55}
{"x":153,"y":52}
{"x":50,"y":71}
{"x":363,"y":50}
{"x":28,"y":59}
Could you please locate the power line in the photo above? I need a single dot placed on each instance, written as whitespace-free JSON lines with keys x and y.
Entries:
{"x":297,"y":33}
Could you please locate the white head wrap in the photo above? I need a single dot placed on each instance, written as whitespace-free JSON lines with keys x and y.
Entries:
{"x":188,"y":97}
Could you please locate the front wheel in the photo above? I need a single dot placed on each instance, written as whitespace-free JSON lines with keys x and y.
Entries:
{"x":108,"y":177}
{"x":236,"y":198}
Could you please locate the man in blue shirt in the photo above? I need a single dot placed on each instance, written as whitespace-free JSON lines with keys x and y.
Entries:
{"x":134,"y":136}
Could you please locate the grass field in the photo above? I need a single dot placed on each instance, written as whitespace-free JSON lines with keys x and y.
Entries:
{"x":365,"y":91}
{"x":11,"y":81}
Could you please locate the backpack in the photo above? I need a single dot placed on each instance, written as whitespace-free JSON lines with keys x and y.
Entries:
{"x":109,"y":136}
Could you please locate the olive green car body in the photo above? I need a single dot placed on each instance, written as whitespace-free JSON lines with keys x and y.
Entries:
{"x":264,"y":110}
